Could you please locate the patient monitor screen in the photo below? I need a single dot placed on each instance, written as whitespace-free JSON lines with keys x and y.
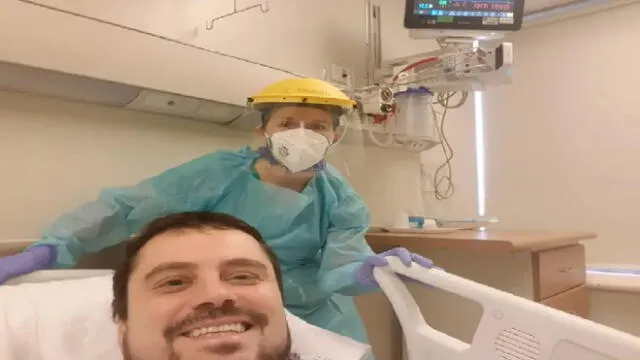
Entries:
{"x":496,"y":15}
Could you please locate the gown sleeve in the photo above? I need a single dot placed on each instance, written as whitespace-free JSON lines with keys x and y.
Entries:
{"x":120,"y":212}
{"x":345,"y":247}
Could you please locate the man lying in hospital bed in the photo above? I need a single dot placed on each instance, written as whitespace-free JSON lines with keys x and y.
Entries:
{"x":220,"y":297}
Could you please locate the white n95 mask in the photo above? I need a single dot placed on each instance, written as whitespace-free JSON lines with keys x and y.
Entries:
{"x":298,"y":149}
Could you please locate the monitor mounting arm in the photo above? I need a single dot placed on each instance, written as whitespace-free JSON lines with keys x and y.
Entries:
{"x":462,"y":63}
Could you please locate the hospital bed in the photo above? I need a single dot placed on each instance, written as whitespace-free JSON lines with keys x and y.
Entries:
{"x":64,"y":315}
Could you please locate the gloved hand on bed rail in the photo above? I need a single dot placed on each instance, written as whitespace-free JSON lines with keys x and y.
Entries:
{"x":30,"y":260}
{"x":364,"y":273}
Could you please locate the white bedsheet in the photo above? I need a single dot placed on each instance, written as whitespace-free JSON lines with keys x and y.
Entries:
{"x":70,"y":320}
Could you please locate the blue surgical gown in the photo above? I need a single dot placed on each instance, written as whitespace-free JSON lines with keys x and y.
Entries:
{"x":317,"y":235}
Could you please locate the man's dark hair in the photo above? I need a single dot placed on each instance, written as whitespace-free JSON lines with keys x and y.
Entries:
{"x":176,"y":222}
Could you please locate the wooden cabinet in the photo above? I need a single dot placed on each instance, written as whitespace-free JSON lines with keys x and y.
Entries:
{"x":574,"y":301}
{"x":557,"y":270}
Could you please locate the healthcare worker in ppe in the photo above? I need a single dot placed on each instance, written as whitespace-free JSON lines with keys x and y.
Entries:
{"x":306,"y":211}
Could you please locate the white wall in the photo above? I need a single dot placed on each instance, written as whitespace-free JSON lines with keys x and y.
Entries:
{"x":562,"y":140}
{"x":57,"y":155}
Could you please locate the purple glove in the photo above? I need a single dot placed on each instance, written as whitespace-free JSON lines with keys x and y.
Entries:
{"x":364,"y":273}
{"x":30,"y":260}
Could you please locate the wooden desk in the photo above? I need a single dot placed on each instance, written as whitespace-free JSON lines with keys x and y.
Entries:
{"x":548,"y":267}
{"x":480,"y":240}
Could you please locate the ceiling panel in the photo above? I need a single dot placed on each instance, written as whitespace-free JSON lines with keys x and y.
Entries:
{"x":533,"y":5}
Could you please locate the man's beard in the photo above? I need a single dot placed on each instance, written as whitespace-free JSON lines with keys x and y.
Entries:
{"x":280,"y":352}
{"x":207,"y":311}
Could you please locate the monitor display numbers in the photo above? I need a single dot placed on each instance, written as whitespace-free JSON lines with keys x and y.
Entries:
{"x":428,"y":7}
{"x":481,"y":15}
{"x":492,"y":6}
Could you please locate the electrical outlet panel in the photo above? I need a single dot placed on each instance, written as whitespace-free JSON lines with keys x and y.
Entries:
{"x":340,"y":75}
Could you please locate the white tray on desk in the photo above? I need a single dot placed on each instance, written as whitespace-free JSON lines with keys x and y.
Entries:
{"x":442,"y":230}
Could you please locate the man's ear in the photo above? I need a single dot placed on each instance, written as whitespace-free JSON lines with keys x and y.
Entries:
{"x":122,"y":330}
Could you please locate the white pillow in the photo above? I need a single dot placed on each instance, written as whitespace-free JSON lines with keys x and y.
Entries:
{"x":70,"y":319}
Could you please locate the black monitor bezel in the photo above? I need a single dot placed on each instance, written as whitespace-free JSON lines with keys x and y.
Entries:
{"x":412,"y":21}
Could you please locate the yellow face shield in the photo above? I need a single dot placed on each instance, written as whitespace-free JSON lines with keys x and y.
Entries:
{"x":303,"y":103}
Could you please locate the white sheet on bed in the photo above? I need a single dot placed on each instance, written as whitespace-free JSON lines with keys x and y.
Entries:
{"x":70,"y":320}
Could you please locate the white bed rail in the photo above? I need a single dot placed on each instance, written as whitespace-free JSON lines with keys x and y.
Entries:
{"x":511,"y":328}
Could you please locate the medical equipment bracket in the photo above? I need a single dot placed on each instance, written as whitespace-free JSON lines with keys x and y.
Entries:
{"x":511,"y":327}
{"x":460,"y":65}
{"x":264,"y":8}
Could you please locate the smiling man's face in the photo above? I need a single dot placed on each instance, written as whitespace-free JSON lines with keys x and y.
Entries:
{"x":204,"y":294}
